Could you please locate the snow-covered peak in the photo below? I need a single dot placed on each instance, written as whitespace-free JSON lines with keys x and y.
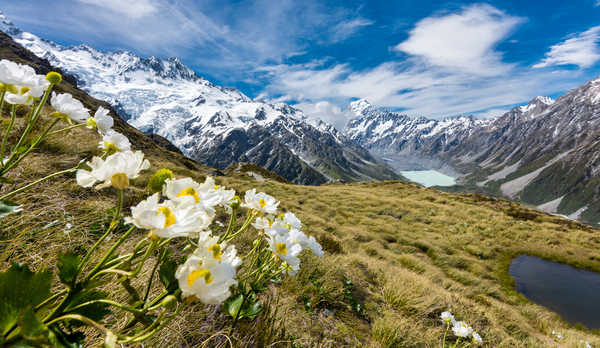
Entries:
{"x":7,"y":26}
{"x":359,"y":106}
{"x":537,"y":102}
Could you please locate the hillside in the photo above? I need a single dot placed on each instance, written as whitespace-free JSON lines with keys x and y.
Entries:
{"x":396,"y":254}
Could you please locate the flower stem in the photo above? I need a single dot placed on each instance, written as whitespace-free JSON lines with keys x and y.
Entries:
{"x":13,"y":115}
{"x":109,"y":253}
{"x":113,"y":225}
{"x":10,"y":194}
{"x":156,"y":264}
{"x":229,"y":226}
{"x":66,"y":129}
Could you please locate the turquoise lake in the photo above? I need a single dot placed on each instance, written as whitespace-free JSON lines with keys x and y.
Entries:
{"x":428,"y":178}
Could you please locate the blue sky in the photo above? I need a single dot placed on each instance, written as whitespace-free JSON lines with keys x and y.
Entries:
{"x":430,"y":58}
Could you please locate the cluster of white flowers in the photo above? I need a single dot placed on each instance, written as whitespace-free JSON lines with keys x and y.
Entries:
{"x":20,"y":82}
{"x":460,"y":328}
{"x":282,"y":232}
{"x":188,"y":210}
{"x":209,"y":271}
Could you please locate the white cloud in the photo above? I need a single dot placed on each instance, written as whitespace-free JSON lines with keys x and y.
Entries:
{"x":326,"y":111}
{"x":131,"y":8}
{"x":464,"y":40}
{"x":346,"y":29}
{"x":417,"y":88}
{"x":581,"y":49}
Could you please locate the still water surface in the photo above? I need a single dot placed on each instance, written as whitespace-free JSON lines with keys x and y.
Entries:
{"x":428,"y":178}
{"x":572,"y":293}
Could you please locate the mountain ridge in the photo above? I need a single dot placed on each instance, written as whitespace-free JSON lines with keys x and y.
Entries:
{"x":216,"y":125}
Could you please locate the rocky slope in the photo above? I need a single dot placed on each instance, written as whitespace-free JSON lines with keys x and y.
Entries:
{"x":544,"y":153}
{"x":215,"y":125}
{"x":408,"y":143}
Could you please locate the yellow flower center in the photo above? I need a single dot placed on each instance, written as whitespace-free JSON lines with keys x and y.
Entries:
{"x":24,"y":90}
{"x":169,"y":217}
{"x":111,"y":148}
{"x":281,"y":248}
{"x":189,"y":192}
{"x":262,"y":202}
{"x":216,"y":187}
{"x":216,"y":251}
{"x":119,"y":181}
{"x":199,"y":273}
{"x":91,"y":123}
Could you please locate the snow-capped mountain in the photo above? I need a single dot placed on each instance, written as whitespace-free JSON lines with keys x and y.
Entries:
{"x":215,"y":125}
{"x":405,"y":142}
{"x":546,"y":153}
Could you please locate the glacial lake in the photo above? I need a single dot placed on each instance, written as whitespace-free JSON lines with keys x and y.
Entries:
{"x":572,"y":293}
{"x":428,"y":178}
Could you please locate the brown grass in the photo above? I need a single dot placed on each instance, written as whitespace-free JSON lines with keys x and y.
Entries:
{"x":397,"y":255}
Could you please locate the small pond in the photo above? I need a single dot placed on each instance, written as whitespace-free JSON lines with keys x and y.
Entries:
{"x":428,"y":178}
{"x":572,"y":293}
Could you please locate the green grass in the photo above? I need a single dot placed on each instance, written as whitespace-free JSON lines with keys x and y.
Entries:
{"x":396,"y":256}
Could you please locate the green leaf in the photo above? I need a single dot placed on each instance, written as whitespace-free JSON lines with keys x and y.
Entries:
{"x":251,"y":310}
{"x":20,"y":289}
{"x":8,"y":207}
{"x":95,"y":311}
{"x":32,"y":329}
{"x":166,"y":273}
{"x":68,"y":263}
{"x":234,"y":304}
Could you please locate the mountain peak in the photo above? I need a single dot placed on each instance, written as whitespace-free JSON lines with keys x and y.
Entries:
{"x":7,"y":26}
{"x":359,"y":106}
{"x":539,"y":101}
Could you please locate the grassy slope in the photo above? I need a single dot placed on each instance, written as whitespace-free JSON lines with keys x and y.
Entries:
{"x":408,"y":254}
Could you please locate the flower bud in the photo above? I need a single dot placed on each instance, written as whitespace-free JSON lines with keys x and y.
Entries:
{"x":156,"y":182}
{"x":235,"y":204}
{"x":53,"y":77}
{"x":119,"y":181}
{"x":2,"y":87}
{"x":169,"y":302}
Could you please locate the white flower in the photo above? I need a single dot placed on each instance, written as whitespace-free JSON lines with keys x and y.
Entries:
{"x":166,"y":220}
{"x":448,"y":318}
{"x":291,"y":219}
{"x":476,"y":338}
{"x":461,"y":329}
{"x":114,"y":141}
{"x":311,"y":243}
{"x":31,"y":87}
{"x":186,"y":191}
{"x":69,"y":108}
{"x":287,"y":250}
{"x":262,"y":223}
{"x":116,"y":170}
{"x":12,"y":73}
{"x":209,"y":272}
{"x":101,"y":121}
{"x":261,"y":202}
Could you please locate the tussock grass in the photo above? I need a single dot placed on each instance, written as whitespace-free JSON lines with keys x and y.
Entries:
{"x":397,"y":255}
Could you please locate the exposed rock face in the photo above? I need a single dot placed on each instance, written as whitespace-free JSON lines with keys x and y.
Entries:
{"x":215,"y":125}
{"x":408,"y":143}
